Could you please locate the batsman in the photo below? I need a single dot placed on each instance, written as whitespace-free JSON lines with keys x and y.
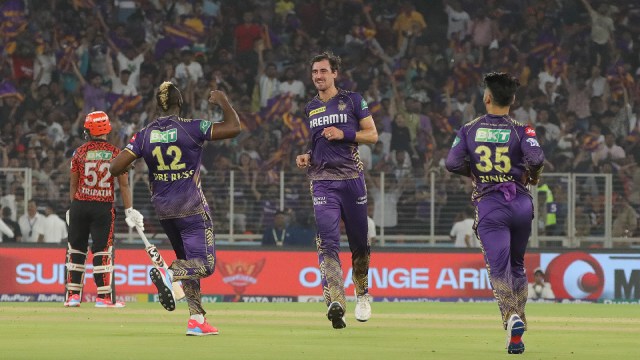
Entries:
{"x":91,"y":191}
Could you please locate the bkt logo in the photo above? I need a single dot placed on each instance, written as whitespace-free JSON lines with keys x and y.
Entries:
{"x":579,"y":275}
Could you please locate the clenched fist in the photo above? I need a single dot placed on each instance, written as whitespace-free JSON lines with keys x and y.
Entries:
{"x":303,"y":161}
{"x":218,"y":97}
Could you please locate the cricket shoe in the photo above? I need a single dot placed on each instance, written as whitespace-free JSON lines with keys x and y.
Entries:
{"x":165,"y":291}
{"x":363,"y":307}
{"x":515,"y":330}
{"x":335,"y":313}
{"x":107,"y":303}
{"x":194,"y":328}
{"x":73,"y":301}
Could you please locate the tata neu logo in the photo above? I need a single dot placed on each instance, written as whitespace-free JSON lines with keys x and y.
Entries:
{"x":576,"y":275}
{"x":240,"y":274}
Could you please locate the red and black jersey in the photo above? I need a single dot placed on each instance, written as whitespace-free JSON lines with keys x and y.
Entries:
{"x":91,"y":161}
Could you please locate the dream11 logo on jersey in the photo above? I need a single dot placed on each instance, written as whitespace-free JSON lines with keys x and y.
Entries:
{"x":240,"y":275}
{"x":576,"y":275}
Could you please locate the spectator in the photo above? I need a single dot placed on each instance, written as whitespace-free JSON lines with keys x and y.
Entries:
{"x":93,"y":93}
{"x":10,"y":229}
{"x":601,"y":34}
{"x":392,"y":191}
{"x":303,"y":232}
{"x":483,"y":30}
{"x":54,"y":229}
{"x":608,"y":151}
{"x":396,"y":62}
{"x":32,"y":223}
{"x":552,"y":130}
{"x":123,"y":84}
{"x":526,"y":113}
{"x":188,"y":71}
{"x":8,"y":201}
{"x":625,"y":220}
{"x":597,"y":84}
{"x":245,"y":35}
{"x":409,"y":22}
{"x":539,"y":288}
{"x":278,"y":233}
{"x":44,"y":66}
{"x":462,"y":232}
{"x":292,"y":86}
{"x":458,"y":20}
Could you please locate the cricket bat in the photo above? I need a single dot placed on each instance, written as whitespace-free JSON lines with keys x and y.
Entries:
{"x":158,"y":262}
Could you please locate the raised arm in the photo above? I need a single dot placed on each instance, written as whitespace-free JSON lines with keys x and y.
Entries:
{"x":109,"y":61}
{"x":230,"y":127}
{"x":76,"y":71}
{"x":587,"y":5}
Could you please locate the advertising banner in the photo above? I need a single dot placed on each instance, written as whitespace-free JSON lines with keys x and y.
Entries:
{"x":283,"y":276}
{"x":581,"y":275}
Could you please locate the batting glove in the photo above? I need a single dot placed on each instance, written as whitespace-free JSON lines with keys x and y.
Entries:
{"x":134,"y":218}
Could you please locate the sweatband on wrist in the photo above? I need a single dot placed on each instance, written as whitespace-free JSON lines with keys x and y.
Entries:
{"x":349,"y":135}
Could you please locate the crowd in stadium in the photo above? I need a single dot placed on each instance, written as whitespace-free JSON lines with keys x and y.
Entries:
{"x":419,"y":64}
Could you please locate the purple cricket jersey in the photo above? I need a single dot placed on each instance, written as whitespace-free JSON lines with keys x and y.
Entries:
{"x":335,"y":160}
{"x":495,"y":151}
{"x":172,"y":148}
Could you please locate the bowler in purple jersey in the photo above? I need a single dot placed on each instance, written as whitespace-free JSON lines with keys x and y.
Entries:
{"x":338,"y":120}
{"x":172,"y":149}
{"x":502,"y":157}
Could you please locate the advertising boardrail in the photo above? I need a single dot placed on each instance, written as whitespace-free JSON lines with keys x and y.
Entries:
{"x":260,"y":275}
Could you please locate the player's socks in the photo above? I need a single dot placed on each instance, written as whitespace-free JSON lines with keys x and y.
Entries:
{"x":197,"y":317}
{"x":335,"y":313}
{"x":198,"y":326}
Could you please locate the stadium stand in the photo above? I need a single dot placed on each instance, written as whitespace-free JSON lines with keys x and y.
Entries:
{"x":418,"y":64}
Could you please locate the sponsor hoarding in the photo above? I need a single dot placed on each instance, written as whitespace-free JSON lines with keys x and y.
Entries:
{"x":281,"y":276}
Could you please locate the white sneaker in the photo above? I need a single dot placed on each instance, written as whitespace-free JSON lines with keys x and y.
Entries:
{"x":363,"y":307}
{"x":515,"y":330}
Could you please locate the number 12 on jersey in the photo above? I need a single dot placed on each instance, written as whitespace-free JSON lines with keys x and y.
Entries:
{"x":172,"y":152}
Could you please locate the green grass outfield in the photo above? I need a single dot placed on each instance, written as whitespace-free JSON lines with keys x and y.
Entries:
{"x":301,"y":331}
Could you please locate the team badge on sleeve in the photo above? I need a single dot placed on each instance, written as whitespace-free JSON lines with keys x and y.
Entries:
{"x":456,"y":141}
{"x":204,"y":126}
{"x":363,"y":104}
{"x":529,"y":131}
{"x":533,"y":142}
{"x":133,"y":138}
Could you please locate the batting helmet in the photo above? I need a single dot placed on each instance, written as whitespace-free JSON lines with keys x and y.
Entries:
{"x":97,"y":123}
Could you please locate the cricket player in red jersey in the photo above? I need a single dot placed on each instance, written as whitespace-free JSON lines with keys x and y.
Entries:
{"x":92,"y":213}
